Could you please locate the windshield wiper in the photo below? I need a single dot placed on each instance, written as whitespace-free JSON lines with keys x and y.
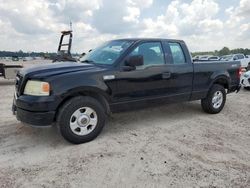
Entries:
{"x":88,"y":61}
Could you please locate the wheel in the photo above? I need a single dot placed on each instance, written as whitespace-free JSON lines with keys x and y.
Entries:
{"x":215,"y":100}
{"x":81,"y":119}
{"x":247,"y":88}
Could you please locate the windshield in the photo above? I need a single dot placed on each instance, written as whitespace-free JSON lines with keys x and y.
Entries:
{"x":226,"y":57}
{"x":107,"y":53}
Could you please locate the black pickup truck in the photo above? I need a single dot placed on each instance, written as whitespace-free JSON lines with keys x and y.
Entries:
{"x":119,"y":75}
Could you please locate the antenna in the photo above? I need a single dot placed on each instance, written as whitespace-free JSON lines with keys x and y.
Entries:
{"x":70,"y":25}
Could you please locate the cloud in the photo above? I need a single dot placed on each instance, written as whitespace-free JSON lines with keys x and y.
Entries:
{"x":203,"y":24}
{"x":192,"y":22}
{"x":133,"y":15}
{"x":25,"y":19}
{"x":114,"y":17}
{"x":244,"y":9}
{"x":73,"y":10}
{"x":238,"y":24}
{"x":140,"y":3}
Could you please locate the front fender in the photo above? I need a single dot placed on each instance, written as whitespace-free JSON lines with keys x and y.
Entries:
{"x":85,"y":90}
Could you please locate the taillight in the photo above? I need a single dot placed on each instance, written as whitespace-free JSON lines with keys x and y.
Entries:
{"x":239,"y":73}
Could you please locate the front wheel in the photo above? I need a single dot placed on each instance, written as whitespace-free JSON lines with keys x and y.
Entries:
{"x":215,"y":100}
{"x":81,"y":119}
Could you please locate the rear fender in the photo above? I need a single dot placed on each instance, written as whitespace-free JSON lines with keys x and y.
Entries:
{"x":222,"y":78}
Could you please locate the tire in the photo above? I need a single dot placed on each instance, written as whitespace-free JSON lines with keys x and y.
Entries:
{"x":247,"y":88}
{"x":218,"y":93}
{"x":81,"y":119}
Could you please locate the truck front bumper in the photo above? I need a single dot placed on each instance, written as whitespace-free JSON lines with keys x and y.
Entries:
{"x":34,"y":110}
{"x":34,"y":118}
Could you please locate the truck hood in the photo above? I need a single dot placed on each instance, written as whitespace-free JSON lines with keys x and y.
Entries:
{"x":52,"y":69}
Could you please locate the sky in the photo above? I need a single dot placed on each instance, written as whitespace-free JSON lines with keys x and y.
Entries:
{"x":205,"y":25}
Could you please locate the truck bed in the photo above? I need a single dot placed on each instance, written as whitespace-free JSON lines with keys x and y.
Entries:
{"x":207,"y":71}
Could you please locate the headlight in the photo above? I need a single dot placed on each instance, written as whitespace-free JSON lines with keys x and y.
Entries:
{"x":247,"y":74}
{"x":37,"y":88}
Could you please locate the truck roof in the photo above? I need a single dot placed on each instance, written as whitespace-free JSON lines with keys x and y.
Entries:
{"x":148,"y":39}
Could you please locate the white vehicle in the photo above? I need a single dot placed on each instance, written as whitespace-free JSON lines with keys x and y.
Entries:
{"x":205,"y":57}
{"x":28,"y":58}
{"x":244,"y":60}
{"x":245,"y":80}
{"x":214,"y":58}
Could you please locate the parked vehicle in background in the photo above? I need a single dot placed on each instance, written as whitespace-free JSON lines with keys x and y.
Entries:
{"x":196,"y":58}
{"x":245,"y":80}
{"x":15,"y":58}
{"x":28,"y":58}
{"x":244,"y":60}
{"x":226,"y":57}
{"x":214,"y":58}
{"x":119,"y":75}
{"x":9,"y":71}
{"x":205,"y":57}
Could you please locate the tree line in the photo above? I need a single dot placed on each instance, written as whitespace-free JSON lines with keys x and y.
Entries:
{"x":224,"y":51}
{"x":26,"y":54}
{"x":20,"y":53}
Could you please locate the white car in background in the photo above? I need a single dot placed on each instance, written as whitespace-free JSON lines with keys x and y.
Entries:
{"x":205,"y":57}
{"x":244,"y":60}
{"x":214,"y":58}
{"x":245,"y":80}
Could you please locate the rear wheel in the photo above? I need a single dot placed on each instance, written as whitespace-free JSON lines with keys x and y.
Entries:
{"x":247,"y":88}
{"x":215,"y":100}
{"x":81,"y":119}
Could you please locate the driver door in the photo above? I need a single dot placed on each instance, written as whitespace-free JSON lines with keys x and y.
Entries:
{"x":147,"y":81}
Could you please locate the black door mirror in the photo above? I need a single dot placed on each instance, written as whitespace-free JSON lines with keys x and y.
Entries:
{"x":134,"y":61}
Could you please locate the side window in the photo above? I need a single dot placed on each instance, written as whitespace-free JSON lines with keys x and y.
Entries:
{"x":177,"y":53}
{"x":152,"y":54}
{"x":235,"y":57}
{"x":240,"y":56}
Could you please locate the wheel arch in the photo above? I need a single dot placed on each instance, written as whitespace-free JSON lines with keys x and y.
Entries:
{"x":223,"y":80}
{"x":90,"y":92}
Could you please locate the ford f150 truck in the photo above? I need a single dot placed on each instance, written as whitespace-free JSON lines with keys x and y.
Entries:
{"x":119,"y":75}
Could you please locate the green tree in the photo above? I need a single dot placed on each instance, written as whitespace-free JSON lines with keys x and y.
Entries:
{"x":224,"y":51}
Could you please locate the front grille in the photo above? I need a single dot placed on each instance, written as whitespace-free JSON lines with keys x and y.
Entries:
{"x":18,"y":83}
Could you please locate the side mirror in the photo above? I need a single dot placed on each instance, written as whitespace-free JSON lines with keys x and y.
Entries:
{"x":235,"y":58}
{"x":134,"y":61}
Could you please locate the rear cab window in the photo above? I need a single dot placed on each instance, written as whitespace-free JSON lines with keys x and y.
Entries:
{"x":177,"y":53}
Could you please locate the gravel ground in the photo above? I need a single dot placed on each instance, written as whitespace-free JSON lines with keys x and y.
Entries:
{"x":174,"y":145}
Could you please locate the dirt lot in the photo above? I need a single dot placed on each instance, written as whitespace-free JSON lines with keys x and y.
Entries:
{"x":174,"y":145}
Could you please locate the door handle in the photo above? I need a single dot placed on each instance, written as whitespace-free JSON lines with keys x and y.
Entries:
{"x":166,"y":75}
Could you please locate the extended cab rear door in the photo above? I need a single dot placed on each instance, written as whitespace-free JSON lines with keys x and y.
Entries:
{"x":181,"y":69}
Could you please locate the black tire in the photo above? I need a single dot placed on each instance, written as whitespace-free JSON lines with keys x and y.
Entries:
{"x":207,"y":104}
{"x":65,"y":115}
{"x":247,"y":88}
